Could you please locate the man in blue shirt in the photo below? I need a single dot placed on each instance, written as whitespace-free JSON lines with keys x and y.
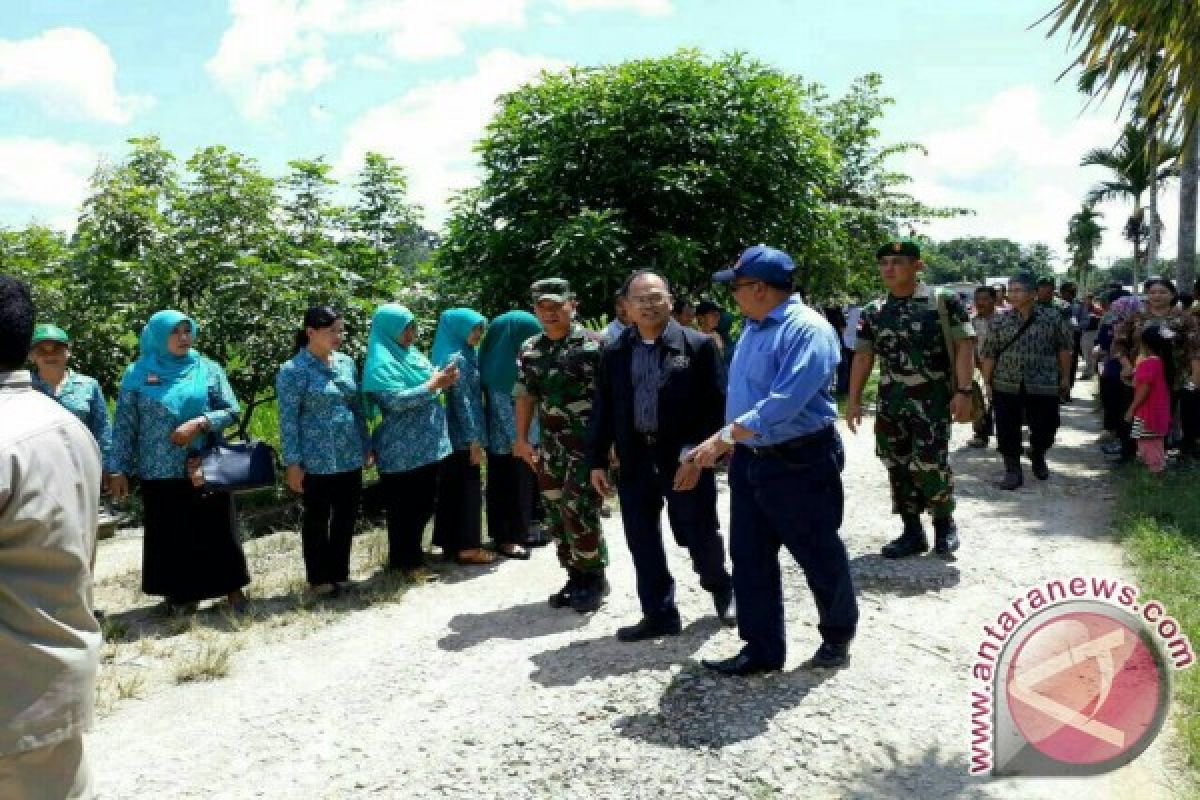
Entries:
{"x":785,"y":476}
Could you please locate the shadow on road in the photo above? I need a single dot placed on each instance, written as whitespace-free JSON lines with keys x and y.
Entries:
{"x":933,"y":776}
{"x":527,"y":621}
{"x":702,"y":709}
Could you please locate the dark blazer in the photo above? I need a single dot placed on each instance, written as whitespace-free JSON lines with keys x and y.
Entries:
{"x":691,"y":397}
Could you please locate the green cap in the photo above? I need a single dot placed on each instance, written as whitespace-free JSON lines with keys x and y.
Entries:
{"x":556,"y":290}
{"x":50,"y":333}
{"x":899,"y":247}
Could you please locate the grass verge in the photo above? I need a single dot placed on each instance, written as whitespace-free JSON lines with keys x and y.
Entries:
{"x":1158,"y":521}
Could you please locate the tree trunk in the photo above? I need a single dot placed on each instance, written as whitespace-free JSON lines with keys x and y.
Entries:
{"x":1185,"y":270}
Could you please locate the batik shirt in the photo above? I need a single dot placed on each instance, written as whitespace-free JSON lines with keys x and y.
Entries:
{"x":502,"y":423}
{"x":143,"y":427}
{"x":413,"y":431}
{"x":1032,"y":359}
{"x":322,"y":426}
{"x":1127,"y":339}
{"x":464,"y":407}
{"x":82,"y":396}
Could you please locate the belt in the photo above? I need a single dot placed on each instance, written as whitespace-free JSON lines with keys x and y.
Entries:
{"x":823,"y":436}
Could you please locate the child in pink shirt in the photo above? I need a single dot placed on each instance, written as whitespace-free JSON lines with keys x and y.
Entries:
{"x":1150,"y":410}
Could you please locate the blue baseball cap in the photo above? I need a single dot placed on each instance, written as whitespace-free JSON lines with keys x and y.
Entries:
{"x":762,"y":263}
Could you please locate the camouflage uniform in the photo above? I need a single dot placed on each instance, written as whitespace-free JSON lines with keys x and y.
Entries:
{"x":912,"y":426}
{"x":561,"y":376}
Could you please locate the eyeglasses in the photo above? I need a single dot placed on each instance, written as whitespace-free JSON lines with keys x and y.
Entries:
{"x":737,"y":287}
{"x":652,"y":299}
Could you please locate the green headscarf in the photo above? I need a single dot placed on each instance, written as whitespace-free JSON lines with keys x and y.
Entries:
{"x":454,"y":327}
{"x":390,"y":366}
{"x":498,"y":352}
{"x":178,"y":382}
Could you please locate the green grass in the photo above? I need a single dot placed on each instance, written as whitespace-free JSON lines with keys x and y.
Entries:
{"x":1158,"y":520}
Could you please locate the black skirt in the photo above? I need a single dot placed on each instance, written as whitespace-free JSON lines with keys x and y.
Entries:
{"x":190,"y":547}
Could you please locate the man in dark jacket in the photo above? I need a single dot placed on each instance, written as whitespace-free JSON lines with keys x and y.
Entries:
{"x":660,"y":391}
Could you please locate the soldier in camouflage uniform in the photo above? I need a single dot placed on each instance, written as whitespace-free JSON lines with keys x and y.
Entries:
{"x":556,"y":373}
{"x":921,"y":388}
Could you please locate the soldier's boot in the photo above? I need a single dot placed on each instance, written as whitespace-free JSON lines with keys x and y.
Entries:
{"x":945,"y":536}
{"x":562,"y":598}
{"x":1037,"y":465}
{"x":1013,"y":475}
{"x":589,"y":594}
{"x":911,"y":542}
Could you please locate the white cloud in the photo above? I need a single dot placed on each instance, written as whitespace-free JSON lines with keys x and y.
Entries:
{"x":649,"y":8}
{"x":46,"y":177}
{"x":431,"y":129}
{"x":274,"y":48}
{"x":71,"y":73}
{"x":1021,"y":174}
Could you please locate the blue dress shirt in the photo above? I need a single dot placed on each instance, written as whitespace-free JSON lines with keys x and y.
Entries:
{"x":781,"y":373}
{"x":143,"y":427}
{"x":322,"y":426}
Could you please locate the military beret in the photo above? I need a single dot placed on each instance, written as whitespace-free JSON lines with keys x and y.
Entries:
{"x":899,"y":247}
{"x":556,"y":290}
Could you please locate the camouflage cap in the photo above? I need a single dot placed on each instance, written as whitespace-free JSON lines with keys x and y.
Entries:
{"x":556,"y":290}
{"x":899,"y":247}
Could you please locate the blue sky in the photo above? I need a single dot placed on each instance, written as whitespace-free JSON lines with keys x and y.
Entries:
{"x":284,"y":79}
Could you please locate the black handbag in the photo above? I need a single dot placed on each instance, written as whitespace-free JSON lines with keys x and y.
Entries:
{"x":237,"y":466}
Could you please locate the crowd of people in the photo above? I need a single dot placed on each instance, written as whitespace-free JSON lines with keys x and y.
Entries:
{"x":646,"y":410}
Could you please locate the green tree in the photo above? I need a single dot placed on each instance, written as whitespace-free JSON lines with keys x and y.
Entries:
{"x":1133,"y":175}
{"x":1149,"y":45}
{"x":1084,"y":235}
{"x":674,"y":163}
{"x":384,"y":218}
{"x":312,"y":219}
{"x":973,"y":258}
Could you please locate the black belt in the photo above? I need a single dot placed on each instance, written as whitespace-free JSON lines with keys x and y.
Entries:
{"x":823,"y":436}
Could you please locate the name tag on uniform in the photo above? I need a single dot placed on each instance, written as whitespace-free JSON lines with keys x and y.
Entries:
{"x":152,"y":380}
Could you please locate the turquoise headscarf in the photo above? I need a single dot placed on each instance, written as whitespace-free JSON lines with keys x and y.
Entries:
{"x":454,"y":326}
{"x":498,"y":352}
{"x":390,"y":366}
{"x":178,"y":382}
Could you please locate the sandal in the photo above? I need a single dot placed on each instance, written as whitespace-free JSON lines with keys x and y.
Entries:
{"x":475,"y":557}
{"x":513,"y":551}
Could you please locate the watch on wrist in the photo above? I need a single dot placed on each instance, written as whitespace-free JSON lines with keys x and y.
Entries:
{"x":726,"y":434}
{"x":967,"y":391}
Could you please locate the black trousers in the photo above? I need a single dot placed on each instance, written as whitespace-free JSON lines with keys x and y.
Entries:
{"x":411,"y":497}
{"x":457,"y":524}
{"x":511,"y":489}
{"x":793,"y":501}
{"x":644,"y":486}
{"x":985,"y":426}
{"x":190,"y":545}
{"x":1076,"y":353}
{"x":1189,"y":410}
{"x":1013,"y":409}
{"x":330,"y":512}
{"x":1115,"y":397}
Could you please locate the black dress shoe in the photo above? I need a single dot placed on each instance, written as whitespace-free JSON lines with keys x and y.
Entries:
{"x":741,"y":664}
{"x":911,"y":542}
{"x":726,"y":607}
{"x":829,"y":656}
{"x":1037,"y":465}
{"x":651,"y":628}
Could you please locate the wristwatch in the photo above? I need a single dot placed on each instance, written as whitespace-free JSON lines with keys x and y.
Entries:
{"x":967,"y":391}
{"x":726,"y":434}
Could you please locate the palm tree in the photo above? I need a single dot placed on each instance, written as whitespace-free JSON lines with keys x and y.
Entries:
{"x":1084,"y":234}
{"x":1151,"y":44}
{"x":1133,"y":175}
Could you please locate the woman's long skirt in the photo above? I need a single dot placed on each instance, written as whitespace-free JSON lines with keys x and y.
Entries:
{"x":190,"y":547}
